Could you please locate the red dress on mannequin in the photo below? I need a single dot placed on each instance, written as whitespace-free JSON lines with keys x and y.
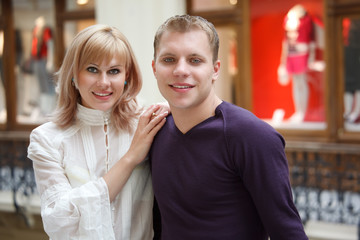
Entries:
{"x":297,"y":57}
{"x":41,"y":35}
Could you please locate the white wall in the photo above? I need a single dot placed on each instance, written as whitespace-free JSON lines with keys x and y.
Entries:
{"x":139,"y":20}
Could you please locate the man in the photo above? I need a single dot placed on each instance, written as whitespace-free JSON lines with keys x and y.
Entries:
{"x":218,"y":171}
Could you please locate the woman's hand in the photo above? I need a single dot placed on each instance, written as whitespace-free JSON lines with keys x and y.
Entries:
{"x":149,"y":124}
{"x":163,"y":107}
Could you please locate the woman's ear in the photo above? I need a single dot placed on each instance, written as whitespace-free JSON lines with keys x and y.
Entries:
{"x":153,"y":67}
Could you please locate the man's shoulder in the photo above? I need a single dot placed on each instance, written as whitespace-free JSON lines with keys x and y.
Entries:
{"x":241,"y":123}
{"x":234,"y":114}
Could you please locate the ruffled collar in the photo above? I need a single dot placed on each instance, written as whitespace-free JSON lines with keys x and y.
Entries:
{"x":92,"y":117}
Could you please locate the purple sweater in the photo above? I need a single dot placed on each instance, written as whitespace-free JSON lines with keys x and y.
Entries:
{"x":226,"y":178}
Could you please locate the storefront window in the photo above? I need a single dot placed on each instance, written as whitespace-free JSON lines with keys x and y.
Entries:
{"x":224,"y":86}
{"x":34,"y":67}
{"x":351,"y":50}
{"x":288,"y":65}
{"x":211,"y":5}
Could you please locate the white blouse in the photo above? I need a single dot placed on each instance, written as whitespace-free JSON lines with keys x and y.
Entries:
{"x":69,"y":165}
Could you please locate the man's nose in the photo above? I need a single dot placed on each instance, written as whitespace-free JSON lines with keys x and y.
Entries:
{"x":181,"y":68}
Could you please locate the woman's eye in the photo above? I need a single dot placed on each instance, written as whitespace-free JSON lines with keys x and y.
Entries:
{"x":114,"y":71}
{"x":92,"y":69}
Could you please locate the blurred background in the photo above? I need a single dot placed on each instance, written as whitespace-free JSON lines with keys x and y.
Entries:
{"x":317,"y":110}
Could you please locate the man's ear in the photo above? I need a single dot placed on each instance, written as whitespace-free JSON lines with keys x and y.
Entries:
{"x":216,"y":70}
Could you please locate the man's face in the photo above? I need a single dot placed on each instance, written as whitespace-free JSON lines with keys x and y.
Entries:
{"x":184,"y":69}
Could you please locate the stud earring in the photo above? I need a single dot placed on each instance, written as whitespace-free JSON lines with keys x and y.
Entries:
{"x":125,"y":82}
{"x":72,"y":82}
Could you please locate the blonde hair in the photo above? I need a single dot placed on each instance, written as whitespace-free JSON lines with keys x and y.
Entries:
{"x":96,"y":44}
{"x":185,"y":23}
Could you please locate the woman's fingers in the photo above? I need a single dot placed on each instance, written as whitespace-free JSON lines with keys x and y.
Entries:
{"x":150,"y":122}
{"x":157,"y":109}
{"x":157,"y":127}
{"x":145,"y":132}
{"x":163,"y":107}
{"x":154,"y":112}
{"x":148,"y":114}
{"x":156,"y":122}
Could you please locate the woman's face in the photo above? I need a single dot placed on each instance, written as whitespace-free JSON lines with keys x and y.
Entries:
{"x":101,"y":83}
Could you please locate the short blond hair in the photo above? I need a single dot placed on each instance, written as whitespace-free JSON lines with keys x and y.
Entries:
{"x":185,"y":23}
{"x":95,"y":44}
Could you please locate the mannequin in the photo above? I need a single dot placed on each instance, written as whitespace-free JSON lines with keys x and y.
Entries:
{"x":42,"y":50}
{"x":298,"y":53}
{"x":352,"y":70}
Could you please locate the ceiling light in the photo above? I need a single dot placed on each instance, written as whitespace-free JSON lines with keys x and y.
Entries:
{"x":82,"y":2}
{"x":233,"y":2}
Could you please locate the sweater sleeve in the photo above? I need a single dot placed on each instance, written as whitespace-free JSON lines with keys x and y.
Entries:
{"x":67,"y":211}
{"x":259,"y":157}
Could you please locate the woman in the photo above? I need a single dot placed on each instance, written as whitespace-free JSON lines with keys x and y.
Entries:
{"x":88,"y":160}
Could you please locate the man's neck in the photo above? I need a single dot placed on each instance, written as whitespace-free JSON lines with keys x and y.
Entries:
{"x":186,"y":119}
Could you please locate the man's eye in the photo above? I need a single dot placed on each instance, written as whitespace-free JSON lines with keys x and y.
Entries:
{"x":168,"y":60}
{"x":92,"y":69}
{"x":114,"y":71}
{"x":195,"y":60}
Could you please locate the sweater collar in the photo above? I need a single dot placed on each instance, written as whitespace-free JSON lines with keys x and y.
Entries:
{"x":92,"y":117}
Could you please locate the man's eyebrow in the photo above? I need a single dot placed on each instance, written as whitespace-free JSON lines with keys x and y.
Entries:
{"x":166,"y":54}
{"x":190,"y":55}
{"x":196,"y":55}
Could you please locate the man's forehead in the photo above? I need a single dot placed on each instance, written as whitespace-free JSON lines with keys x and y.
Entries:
{"x":170,"y":33}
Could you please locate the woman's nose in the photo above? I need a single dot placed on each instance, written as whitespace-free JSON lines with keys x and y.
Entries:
{"x":103,"y":81}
